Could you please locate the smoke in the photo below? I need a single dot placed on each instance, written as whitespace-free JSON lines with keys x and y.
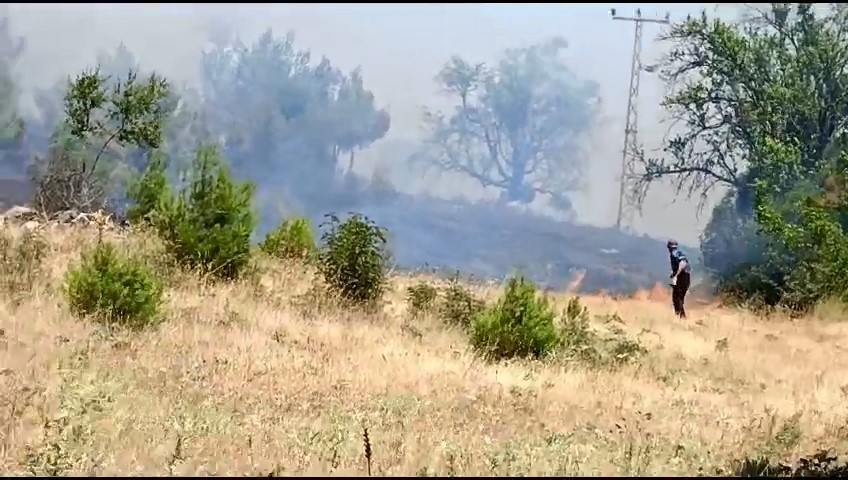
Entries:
{"x":399,"y":49}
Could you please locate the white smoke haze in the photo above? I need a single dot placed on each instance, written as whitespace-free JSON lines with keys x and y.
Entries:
{"x":400,"y":50}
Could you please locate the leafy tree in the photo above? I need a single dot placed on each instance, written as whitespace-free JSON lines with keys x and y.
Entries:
{"x":806,"y":223}
{"x":100,"y":122}
{"x":517,"y":126}
{"x":354,"y":101}
{"x":731,"y":82}
{"x":182,"y":129}
{"x":275,"y":111}
{"x":730,"y":239}
{"x":760,"y":108}
{"x":47,"y":130}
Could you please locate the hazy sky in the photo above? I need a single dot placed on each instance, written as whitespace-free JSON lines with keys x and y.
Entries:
{"x":400,"y":49}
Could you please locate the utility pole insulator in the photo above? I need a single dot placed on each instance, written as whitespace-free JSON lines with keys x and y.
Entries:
{"x":627,"y":196}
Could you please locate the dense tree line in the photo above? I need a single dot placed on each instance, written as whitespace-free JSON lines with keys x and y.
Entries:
{"x":760,"y":107}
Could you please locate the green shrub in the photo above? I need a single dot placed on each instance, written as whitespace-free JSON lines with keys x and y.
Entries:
{"x":459,"y":306}
{"x":113,"y":288}
{"x":292,"y":239}
{"x":579,"y":341}
{"x":421,"y":297}
{"x":208,"y":226}
{"x":620,"y":350}
{"x":354,"y":258}
{"x":149,"y":192}
{"x":583,"y":344}
{"x":520,"y":324}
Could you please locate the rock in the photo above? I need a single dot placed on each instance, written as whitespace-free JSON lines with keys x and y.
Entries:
{"x":20,"y":213}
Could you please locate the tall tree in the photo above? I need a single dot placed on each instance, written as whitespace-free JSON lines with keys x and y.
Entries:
{"x":183,"y":127}
{"x":276,"y":112}
{"x":353,"y":100}
{"x":99,"y":119}
{"x":517,"y":127}
{"x":44,"y":130}
{"x":760,"y":107}
{"x":729,"y":82}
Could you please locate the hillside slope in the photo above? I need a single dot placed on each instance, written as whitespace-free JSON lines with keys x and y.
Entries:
{"x":256,"y":378}
{"x":483,"y":239}
{"x":493,"y":241}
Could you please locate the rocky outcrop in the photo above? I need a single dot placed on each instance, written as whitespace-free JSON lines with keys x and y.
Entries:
{"x":19,"y":214}
{"x":30,"y":219}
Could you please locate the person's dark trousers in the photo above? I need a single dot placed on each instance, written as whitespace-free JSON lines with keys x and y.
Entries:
{"x":678,"y":293}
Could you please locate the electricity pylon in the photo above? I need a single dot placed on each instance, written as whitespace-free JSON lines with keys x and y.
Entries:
{"x":627,"y":201}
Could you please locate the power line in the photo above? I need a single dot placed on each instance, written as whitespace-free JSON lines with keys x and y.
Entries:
{"x":627,"y":201}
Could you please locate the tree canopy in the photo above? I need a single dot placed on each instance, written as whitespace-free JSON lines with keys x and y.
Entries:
{"x":760,"y":108}
{"x":775,"y":74}
{"x":101,"y":122}
{"x":276,"y":112}
{"x":518,"y":126}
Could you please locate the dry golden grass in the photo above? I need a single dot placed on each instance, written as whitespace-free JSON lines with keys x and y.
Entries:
{"x":240,"y":380}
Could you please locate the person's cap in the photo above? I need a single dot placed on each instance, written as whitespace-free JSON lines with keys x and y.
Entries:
{"x":671,"y":243}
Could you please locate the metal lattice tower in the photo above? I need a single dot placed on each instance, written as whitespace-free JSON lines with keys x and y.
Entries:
{"x":627,"y":201}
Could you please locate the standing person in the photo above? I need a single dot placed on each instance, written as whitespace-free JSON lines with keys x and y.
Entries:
{"x":680,"y":277}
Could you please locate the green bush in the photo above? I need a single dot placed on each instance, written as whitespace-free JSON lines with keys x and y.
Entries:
{"x":520,"y":324}
{"x":802,"y":224}
{"x":759,"y":285}
{"x":583,"y":344}
{"x":149,"y":192}
{"x":421,"y":297}
{"x":114,"y":288}
{"x":208,"y":226}
{"x":292,"y":239}
{"x":579,"y":341}
{"x":459,"y":306}
{"x":354,"y":258}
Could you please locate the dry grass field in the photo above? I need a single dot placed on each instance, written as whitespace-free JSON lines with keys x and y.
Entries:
{"x":264,"y":378}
